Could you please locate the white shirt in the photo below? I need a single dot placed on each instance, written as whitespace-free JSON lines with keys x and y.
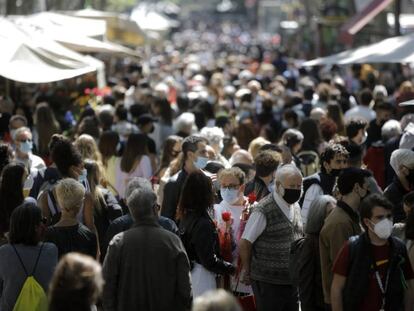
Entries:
{"x":34,"y":162}
{"x":311,"y":194}
{"x":360,"y":112}
{"x":257,"y":221}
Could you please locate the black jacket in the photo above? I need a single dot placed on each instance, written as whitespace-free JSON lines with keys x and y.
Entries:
{"x":200,"y":239}
{"x":395,"y":193}
{"x":172,"y":191}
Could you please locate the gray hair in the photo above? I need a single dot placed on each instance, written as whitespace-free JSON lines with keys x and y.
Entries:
{"x":407,"y":119}
{"x":21,"y":130}
{"x":317,"y":213}
{"x":214,"y":135}
{"x":215,"y":300}
{"x":137,"y":183}
{"x":141,"y":203}
{"x":402,"y":157}
{"x":390,"y":129}
{"x":70,"y":194}
{"x":286,"y":170}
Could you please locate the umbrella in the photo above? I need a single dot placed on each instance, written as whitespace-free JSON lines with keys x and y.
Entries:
{"x":37,"y":59}
{"x":392,"y":50}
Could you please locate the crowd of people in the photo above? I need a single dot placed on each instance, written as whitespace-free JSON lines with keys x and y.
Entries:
{"x":210,"y":166}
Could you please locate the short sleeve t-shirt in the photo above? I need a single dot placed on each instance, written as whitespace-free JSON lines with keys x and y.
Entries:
{"x":373,"y":299}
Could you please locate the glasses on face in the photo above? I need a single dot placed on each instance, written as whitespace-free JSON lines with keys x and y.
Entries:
{"x":25,"y":140}
{"x":231,"y":187}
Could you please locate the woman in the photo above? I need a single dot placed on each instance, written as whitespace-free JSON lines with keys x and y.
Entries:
{"x":69,"y":164}
{"x":106,"y":207}
{"x":133,"y":163}
{"x":199,"y":234}
{"x":68,"y":234}
{"x":11,"y":194}
{"x":232,"y":185}
{"x":109,"y":146}
{"x":172,"y":149}
{"x":88,"y":148}
{"x":76,"y":284}
{"x":335,"y":113}
{"x":24,"y":253}
{"x":309,"y":269}
{"x":45,"y":126}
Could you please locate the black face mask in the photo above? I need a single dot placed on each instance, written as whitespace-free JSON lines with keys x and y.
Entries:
{"x":335,"y":172}
{"x":292,"y":195}
{"x":410,"y":177}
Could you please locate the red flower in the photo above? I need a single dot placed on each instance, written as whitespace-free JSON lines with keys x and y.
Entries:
{"x":226,"y":216}
{"x":252,"y":197}
{"x":87,"y":91}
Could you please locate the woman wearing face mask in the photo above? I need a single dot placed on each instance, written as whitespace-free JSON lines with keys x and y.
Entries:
{"x":230,"y":212}
{"x":69,"y":164}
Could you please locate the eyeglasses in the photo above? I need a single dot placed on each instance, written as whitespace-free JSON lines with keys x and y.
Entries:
{"x":231,"y":187}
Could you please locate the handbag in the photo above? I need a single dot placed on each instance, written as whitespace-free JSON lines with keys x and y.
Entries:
{"x":247,"y":302}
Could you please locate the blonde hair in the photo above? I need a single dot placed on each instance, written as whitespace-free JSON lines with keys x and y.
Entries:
{"x":70,"y":194}
{"x":88,"y":148}
{"x":255,"y":145}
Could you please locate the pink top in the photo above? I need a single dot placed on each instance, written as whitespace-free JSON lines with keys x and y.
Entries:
{"x":143,"y":169}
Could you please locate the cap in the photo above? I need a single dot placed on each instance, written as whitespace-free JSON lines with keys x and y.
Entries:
{"x":145,"y":118}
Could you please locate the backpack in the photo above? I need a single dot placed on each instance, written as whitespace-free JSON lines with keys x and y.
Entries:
{"x":295,"y":257}
{"x":309,"y":162}
{"x":32,"y":296}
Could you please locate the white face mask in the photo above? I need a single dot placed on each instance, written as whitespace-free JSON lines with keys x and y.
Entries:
{"x":383,"y":229}
{"x":229,"y":195}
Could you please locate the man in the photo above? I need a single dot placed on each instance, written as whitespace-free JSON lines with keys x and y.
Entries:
{"x":356,"y":131}
{"x":17,"y":121}
{"x":383,"y":112}
{"x":146,"y":268}
{"x":195,"y":158}
{"x":24,"y":146}
{"x":333,"y":160}
{"x":343,"y":222}
{"x":125,"y":222}
{"x":402,"y":161}
{"x":265,"y":245}
{"x":363,"y":109}
{"x":372,"y":269}
{"x":266,"y":163}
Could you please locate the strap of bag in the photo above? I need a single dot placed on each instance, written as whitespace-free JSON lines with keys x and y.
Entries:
{"x":21,"y":261}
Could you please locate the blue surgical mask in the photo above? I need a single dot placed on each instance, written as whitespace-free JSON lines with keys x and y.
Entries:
{"x":230,"y":196}
{"x":83,"y":177}
{"x":26,"y":147}
{"x":201,"y":162}
{"x":271,"y":186}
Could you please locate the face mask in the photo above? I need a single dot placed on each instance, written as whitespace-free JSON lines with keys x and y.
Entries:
{"x":335,"y":172}
{"x":13,"y":134}
{"x":201,"y":162}
{"x":364,"y":138}
{"x":290,"y":195}
{"x":271,"y":186}
{"x":383,"y":228}
{"x":83,"y":177}
{"x":26,"y":146}
{"x":230,"y":196}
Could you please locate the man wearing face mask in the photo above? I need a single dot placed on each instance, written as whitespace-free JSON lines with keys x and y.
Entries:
{"x":195,"y":158}
{"x":24,"y":145}
{"x":265,"y":245}
{"x":333,"y":160}
{"x":372,"y":271}
{"x":383,"y":114}
{"x":266,"y":163}
{"x":232,"y":183}
{"x":342,"y":223}
{"x":402,"y":162}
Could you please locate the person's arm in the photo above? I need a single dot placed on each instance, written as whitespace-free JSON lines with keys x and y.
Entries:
{"x":44,"y":206}
{"x":338,"y":284}
{"x":313,"y":192}
{"x":184,"y":292}
{"x":254,"y":228}
{"x":110,"y":272}
{"x":170,"y":200}
{"x":337,"y":239}
{"x":306,"y":268}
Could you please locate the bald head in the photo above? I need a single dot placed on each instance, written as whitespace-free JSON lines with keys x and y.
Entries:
{"x":241,"y":156}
